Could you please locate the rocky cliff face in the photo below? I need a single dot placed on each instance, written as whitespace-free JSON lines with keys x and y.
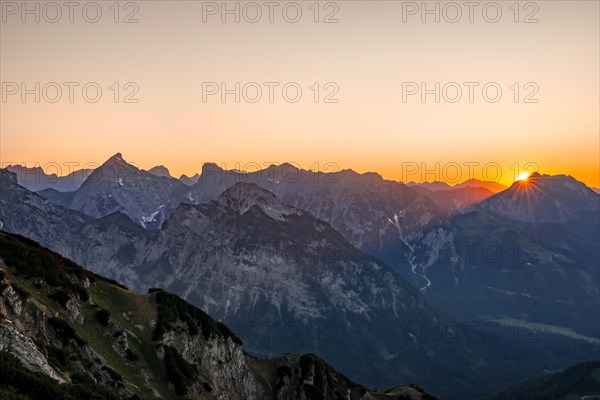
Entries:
{"x":81,"y":335}
{"x":34,"y":333}
{"x":22,"y":347}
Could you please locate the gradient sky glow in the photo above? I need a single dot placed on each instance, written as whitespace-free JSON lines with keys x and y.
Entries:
{"x":369,"y":53}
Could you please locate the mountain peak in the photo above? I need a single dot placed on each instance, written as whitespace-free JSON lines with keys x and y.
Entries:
{"x":249,"y":192}
{"x":287,"y":166}
{"x":210,"y":168}
{"x":116,"y":159}
{"x":115,"y":169}
{"x":242,"y":196}
{"x":552,"y":185}
{"x":534,"y":175}
{"x":546,"y":198}
{"x":160,"y":171}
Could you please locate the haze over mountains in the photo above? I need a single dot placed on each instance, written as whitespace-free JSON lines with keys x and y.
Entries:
{"x":35,"y":179}
{"x":336,"y":261}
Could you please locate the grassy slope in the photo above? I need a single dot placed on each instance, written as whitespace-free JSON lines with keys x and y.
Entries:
{"x":131,"y":311}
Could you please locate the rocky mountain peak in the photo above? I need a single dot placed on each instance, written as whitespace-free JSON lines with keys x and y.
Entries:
{"x":160,"y":171}
{"x":548,"y":198}
{"x":242,"y":196}
{"x":113,"y":169}
{"x":210,"y":168}
{"x":286,"y":167}
{"x":551,"y":185}
{"x":116,"y":159}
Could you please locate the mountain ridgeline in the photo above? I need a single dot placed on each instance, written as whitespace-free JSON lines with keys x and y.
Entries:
{"x":332,"y":263}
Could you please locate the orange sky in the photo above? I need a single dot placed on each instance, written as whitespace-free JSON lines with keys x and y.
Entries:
{"x":368,"y":54}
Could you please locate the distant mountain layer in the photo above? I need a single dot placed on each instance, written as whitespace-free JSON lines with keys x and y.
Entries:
{"x":494,"y":187}
{"x":35,"y":179}
{"x":456,"y":200}
{"x":430,"y":185}
{"x":67,"y":333}
{"x":491,"y":186}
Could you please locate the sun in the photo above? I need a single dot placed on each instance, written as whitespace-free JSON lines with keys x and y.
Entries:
{"x":523,"y":176}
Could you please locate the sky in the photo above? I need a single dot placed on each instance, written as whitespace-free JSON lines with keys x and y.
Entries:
{"x":347,"y":84}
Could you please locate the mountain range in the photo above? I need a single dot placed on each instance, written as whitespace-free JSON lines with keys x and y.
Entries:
{"x":374,"y":214}
{"x":304,"y":261}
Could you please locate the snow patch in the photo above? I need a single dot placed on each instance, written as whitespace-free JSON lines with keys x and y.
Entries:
{"x":150,"y":217}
